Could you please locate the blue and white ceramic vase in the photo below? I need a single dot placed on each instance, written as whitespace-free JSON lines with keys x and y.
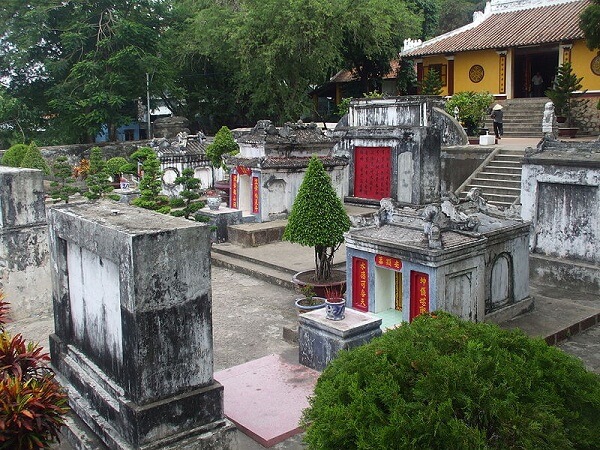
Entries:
{"x":335,"y":309}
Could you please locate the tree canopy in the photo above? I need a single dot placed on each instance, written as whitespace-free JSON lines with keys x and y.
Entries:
{"x":590,"y":24}
{"x":70,"y":69}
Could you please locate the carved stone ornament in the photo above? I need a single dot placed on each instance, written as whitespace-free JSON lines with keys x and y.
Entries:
{"x":476,"y":73}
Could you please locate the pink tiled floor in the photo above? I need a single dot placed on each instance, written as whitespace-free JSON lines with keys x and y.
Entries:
{"x":265,"y":397}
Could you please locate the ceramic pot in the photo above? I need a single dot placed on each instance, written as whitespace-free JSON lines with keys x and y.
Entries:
{"x":306,"y":304}
{"x":213,"y":203}
{"x":335,"y":309}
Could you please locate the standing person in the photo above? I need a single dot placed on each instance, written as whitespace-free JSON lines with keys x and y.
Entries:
{"x":538,"y":84}
{"x":497,"y":116}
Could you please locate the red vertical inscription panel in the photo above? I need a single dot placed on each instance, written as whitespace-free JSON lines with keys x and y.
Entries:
{"x":372,"y":172}
{"x":255,"y":189}
{"x":360,"y":284}
{"x":234,"y":191}
{"x":419,"y":294}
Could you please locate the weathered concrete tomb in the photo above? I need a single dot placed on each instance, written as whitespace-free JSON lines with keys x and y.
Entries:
{"x":133,"y":340}
{"x":24,"y":262}
{"x":453,"y":257}
{"x":393,"y":146}
{"x":560,"y":195}
{"x":424,"y":252}
{"x":267,"y":173}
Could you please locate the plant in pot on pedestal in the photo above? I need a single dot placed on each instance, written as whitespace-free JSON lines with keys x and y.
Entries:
{"x":561,"y":94}
{"x":309,"y":302}
{"x":318,"y":220}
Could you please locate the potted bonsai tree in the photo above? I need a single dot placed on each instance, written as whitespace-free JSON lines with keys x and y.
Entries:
{"x":561,"y":94}
{"x":318,"y":220}
{"x":309,"y":301}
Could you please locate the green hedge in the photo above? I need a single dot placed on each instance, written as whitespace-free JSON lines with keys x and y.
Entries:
{"x":443,"y":383}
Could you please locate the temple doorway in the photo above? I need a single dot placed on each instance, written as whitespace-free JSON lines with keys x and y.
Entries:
{"x":529,"y":61}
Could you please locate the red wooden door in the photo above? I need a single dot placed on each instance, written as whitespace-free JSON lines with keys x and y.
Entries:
{"x":360,"y":284}
{"x":373,"y":172}
{"x":419,"y":294}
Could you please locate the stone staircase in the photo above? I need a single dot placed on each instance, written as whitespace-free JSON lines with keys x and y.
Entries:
{"x":522,"y":117}
{"x":498,"y":177}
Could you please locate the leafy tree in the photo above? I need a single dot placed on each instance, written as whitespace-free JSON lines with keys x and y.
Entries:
{"x":318,"y":218}
{"x":33,"y":159}
{"x":14,"y":155}
{"x":116,"y":166}
{"x":432,"y":83}
{"x":373,"y":33}
{"x":97,"y":180}
{"x":97,"y":162}
{"x":589,"y":21}
{"x":561,"y":94}
{"x":472,"y":107}
{"x":81,"y":63}
{"x":444,"y":383}
{"x":456,"y":13}
{"x":62,"y":186}
{"x":151,"y":182}
{"x":189,"y":193}
{"x":223,"y":144}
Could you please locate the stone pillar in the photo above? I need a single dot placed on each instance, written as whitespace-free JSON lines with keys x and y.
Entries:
{"x":320,"y":339}
{"x":133,"y":320}
{"x":24,"y":270}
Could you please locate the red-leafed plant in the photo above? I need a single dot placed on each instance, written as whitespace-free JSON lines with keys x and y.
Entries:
{"x":32,"y":404}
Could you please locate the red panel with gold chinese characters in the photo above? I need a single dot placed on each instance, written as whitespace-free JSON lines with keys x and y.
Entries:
{"x":419,"y":294}
{"x":234,"y":191}
{"x":372,"y":172}
{"x":360,"y":284}
{"x":255,"y":193}
{"x":388,"y":262}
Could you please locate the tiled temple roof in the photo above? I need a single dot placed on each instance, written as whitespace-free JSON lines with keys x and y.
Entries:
{"x":514,"y":28}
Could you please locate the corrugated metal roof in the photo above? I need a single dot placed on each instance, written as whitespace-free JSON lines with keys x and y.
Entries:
{"x":531,"y":26}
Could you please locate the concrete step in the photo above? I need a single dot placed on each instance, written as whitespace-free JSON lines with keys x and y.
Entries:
{"x":500,"y":176}
{"x":499,"y":190}
{"x":255,"y":234}
{"x":514,"y":183}
{"x":502,"y":169}
{"x":260,"y":271}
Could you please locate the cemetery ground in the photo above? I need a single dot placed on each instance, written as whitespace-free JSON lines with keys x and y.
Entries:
{"x":249,"y":316}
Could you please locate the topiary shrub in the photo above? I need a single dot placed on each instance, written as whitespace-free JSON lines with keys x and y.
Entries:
{"x":33,"y":159}
{"x":14,"y":155}
{"x":444,"y":383}
{"x":318,"y":218}
{"x":223,"y":144}
{"x":32,"y":404}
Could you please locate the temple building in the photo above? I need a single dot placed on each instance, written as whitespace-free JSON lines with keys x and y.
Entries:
{"x":506,"y":45}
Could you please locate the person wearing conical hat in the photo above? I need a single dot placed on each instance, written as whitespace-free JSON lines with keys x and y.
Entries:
{"x":497,"y":116}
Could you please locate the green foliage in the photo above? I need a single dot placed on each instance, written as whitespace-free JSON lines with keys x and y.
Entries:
{"x":443,"y":383}
{"x":115,"y":166}
{"x":318,"y":218}
{"x":589,"y":22}
{"x":344,"y":106}
{"x":97,"y":162}
{"x":33,"y":159}
{"x":432,"y":83}
{"x":151,"y":182}
{"x":32,"y":404}
{"x":14,"y":155}
{"x":189,"y":194}
{"x":561,"y":94}
{"x":62,"y":186}
{"x":81,"y":65}
{"x":176,"y":202}
{"x":472,"y":107}
{"x":406,"y":78}
{"x":223,"y":144}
